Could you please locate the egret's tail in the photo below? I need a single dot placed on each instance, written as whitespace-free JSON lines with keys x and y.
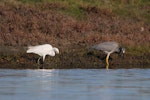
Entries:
{"x":29,"y":51}
{"x":30,"y":47}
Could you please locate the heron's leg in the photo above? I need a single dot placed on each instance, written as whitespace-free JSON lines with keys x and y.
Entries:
{"x":107,"y":63}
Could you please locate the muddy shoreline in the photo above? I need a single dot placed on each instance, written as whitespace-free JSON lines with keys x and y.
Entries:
{"x":17,"y":58}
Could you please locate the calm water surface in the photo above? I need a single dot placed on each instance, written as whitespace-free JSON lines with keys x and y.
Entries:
{"x":75,"y":84}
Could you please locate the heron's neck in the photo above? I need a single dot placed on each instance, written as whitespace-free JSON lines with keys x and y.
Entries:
{"x":120,"y":50}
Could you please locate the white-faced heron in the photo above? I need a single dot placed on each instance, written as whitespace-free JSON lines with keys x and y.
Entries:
{"x":108,"y":48}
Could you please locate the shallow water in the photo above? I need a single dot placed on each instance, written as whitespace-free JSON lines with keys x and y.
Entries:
{"x":75,"y":84}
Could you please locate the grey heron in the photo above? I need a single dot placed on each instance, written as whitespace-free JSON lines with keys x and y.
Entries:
{"x":43,"y":50}
{"x":108,"y":48}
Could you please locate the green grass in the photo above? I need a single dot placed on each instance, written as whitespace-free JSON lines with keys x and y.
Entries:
{"x":138,"y":9}
{"x":134,"y":10}
{"x":138,"y":50}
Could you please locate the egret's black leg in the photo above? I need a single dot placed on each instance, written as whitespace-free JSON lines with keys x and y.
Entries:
{"x":39,"y":61}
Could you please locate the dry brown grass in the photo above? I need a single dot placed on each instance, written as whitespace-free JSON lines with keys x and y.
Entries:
{"x":27,"y":24}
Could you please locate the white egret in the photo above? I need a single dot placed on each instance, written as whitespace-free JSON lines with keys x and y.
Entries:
{"x":108,"y":48}
{"x":43,"y":50}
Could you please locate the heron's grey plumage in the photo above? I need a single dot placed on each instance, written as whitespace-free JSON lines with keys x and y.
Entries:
{"x":108,"y":48}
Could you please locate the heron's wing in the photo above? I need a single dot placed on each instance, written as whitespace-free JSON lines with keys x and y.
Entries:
{"x":107,"y":46}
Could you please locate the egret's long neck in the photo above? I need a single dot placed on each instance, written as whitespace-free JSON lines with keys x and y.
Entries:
{"x":56,"y":50}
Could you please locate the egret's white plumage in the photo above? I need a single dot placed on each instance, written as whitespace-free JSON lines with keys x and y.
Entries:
{"x":43,"y":50}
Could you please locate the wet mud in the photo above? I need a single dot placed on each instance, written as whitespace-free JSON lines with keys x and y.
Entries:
{"x":79,"y":58}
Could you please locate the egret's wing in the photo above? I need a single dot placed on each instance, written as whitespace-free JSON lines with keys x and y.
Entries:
{"x":40,"y":49}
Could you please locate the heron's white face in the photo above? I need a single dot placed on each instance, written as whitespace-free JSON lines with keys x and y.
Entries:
{"x":56,"y":50}
{"x":123,"y":50}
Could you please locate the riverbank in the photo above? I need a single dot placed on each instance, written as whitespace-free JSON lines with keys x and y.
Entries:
{"x":73,"y":27}
{"x":17,"y":58}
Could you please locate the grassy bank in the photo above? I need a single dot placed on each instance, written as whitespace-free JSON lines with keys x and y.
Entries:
{"x":138,"y":9}
{"x":73,"y":26}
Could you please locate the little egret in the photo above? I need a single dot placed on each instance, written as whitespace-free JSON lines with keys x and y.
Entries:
{"x":108,"y":48}
{"x":43,"y":50}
